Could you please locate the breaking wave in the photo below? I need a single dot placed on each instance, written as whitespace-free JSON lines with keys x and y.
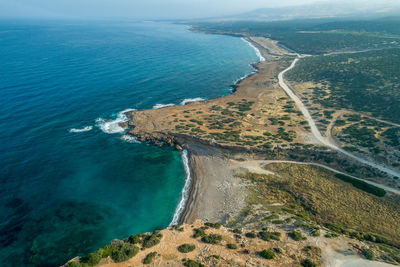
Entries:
{"x":113,"y":126}
{"x":190,"y":100}
{"x":258,"y":53}
{"x":130,"y":139}
{"x":185,"y":191}
{"x":157,"y":106}
{"x":81,"y":130}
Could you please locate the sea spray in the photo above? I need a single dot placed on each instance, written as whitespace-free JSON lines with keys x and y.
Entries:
{"x":190,"y":100}
{"x":81,"y":130}
{"x":185,"y":191}
{"x":158,"y":106}
{"x":130,"y":139}
{"x":255,"y":49}
{"x":113,"y":126}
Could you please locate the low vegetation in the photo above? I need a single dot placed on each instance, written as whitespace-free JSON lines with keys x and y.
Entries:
{"x":297,"y":236}
{"x":314,"y":194}
{"x":186,"y":248}
{"x":362,"y":185}
{"x":316,"y":36}
{"x":267,"y":236}
{"x":192,"y":263}
{"x":149,"y":258}
{"x":231,"y":246}
{"x":212,"y":239}
{"x":363,"y":82}
{"x":267,"y":254}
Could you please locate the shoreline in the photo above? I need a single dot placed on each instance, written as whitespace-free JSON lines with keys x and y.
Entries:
{"x":186,"y":215}
{"x":186,"y":190}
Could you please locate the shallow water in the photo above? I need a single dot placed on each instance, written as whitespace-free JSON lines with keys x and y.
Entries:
{"x":69,"y":184}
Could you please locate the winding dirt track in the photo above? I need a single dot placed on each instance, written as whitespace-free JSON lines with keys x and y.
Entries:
{"x":314,"y":129}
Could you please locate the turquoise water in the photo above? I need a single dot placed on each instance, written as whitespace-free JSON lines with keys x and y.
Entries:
{"x":65,"y":189}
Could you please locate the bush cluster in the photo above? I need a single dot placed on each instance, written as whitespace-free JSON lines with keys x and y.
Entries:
{"x":297,"y":236}
{"x":267,"y":236}
{"x":192,"y":263}
{"x":369,"y":254}
{"x":186,"y":248}
{"x":362,"y":185}
{"x":212,"y":239}
{"x":308,"y":263}
{"x":149,"y":257}
{"x":213,"y":225}
{"x":250,"y":235}
{"x":151,"y":240}
{"x":231,"y":246}
{"x":199,"y":232}
{"x":267,"y":254}
{"x":119,"y":251}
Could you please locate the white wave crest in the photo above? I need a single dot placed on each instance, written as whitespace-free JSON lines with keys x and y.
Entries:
{"x":157,"y":106}
{"x":190,"y":100}
{"x":81,"y":130}
{"x":258,"y":53}
{"x":113,"y":126}
{"x":130,"y":139}
{"x":185,"y":191}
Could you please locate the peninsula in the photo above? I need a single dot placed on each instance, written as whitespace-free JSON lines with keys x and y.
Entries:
{"x":279,"y":175}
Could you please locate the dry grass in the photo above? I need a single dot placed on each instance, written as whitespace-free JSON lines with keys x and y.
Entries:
{"x":330,"y":200}
{"x":246,"y":253}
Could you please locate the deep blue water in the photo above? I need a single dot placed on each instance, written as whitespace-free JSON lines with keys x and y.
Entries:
{"x":64,"y":194}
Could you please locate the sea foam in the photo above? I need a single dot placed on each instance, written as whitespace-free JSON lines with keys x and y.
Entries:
{"x":130,"y":139}
{"x":158,"y":106}
{"x":258,"y":53}
{"x":190,"y":100}
{"x":81,"y":130}
{"x":185,"y":191}
{"x":113,"y":126}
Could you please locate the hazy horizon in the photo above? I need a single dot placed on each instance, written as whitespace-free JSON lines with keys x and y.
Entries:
{"x":150,"y":9}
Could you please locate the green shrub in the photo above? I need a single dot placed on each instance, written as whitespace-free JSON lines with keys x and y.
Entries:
{"x":186,"y":248}
{"x":267,"y":236}
{"x":267,"y":254}
{"x":250,"y":235}
{"x":277,"y":250}
{"x":272,"y":217}
{"x":135,"y":239}
{"x":192,"y":263}
{"x":315,"y":232}
{"x":308,"y":263}
{"x":212,"y":239}
{"x":74,"y":264}
{"x":362,"y":185}
{"x":91,"y":259}
{"x":122,"y":251}
{"x":237,"y":231}
{"x":199,"y":232}
{"x":369,"y":254}
{"x":297,"y":236}
{"x":149,"y":257}
{"x":231,"y":246}
{"x":278,"y":221}
{"x":330,"y":235}
{"x":213,"y":225}
{"x":380,"y":239}
{"x":151,"y":240}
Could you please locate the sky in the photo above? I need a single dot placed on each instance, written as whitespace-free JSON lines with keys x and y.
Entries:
{"x":140,"y":9}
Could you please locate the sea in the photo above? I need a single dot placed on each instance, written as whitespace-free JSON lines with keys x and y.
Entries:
{"x":71,"y":181}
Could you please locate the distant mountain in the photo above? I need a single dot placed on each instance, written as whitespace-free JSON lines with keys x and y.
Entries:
{"x":355,"y":8}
